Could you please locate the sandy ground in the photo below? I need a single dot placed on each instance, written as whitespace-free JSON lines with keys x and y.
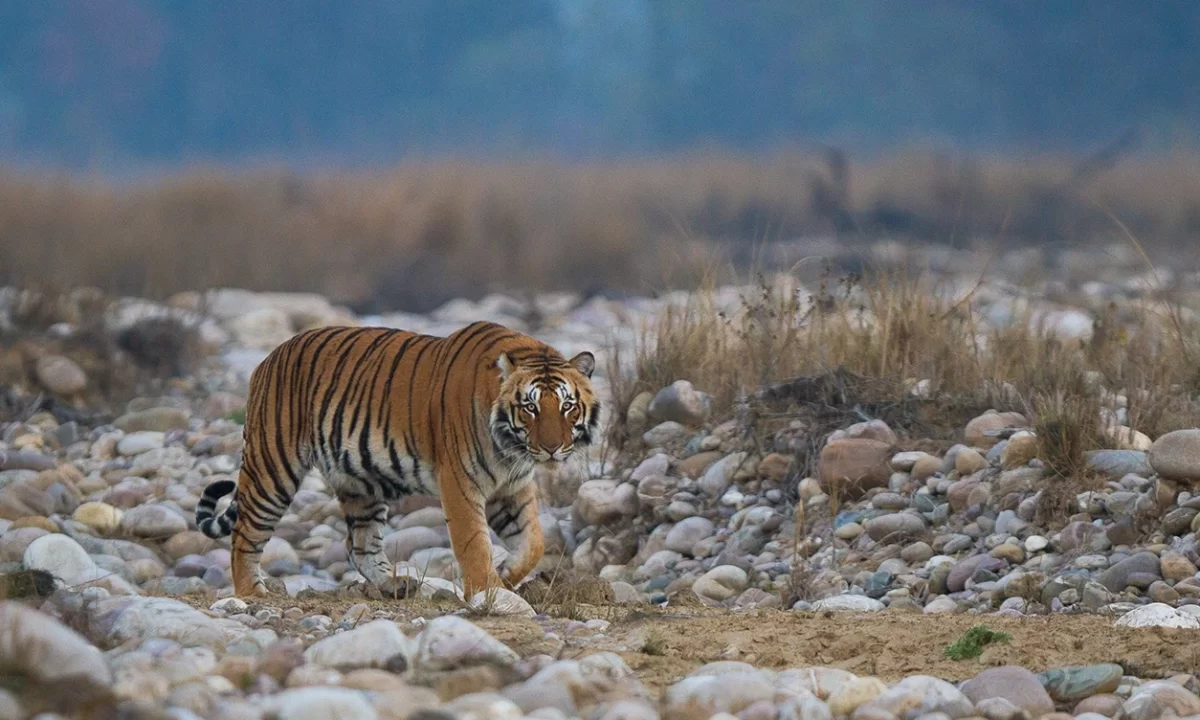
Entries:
{"x":663,"y":645}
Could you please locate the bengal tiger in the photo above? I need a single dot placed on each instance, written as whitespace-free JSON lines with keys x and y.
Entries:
{"x":386,"y":413}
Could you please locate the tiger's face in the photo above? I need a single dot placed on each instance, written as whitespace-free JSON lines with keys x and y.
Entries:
{"x":547,"y":409}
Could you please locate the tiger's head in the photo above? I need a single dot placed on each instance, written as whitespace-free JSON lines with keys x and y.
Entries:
{"x":547,"y":409}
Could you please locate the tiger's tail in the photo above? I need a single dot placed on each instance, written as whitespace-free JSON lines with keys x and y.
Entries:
{"x":208,"y":522}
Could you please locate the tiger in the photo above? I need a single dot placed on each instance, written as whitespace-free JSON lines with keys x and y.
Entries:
{"x":385,"y":413}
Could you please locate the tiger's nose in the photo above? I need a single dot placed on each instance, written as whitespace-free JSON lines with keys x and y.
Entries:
{"x":551,"y":448}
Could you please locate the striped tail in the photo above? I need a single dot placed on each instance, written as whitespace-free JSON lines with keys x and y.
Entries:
{"x":209,"y":523}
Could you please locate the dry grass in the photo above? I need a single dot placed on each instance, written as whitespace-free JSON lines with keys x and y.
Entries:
{"x":417,"y":235}
{"x":881,"y":334}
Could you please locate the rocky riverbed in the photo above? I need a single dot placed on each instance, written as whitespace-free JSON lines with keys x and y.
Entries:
{"x":701,"y":574}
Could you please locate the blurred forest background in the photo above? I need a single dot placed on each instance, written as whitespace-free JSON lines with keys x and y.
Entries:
{"x":394,"y":153}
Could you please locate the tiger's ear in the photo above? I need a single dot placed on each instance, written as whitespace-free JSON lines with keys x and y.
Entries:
{"x":506,"y":366}
{"x":584,"y":362}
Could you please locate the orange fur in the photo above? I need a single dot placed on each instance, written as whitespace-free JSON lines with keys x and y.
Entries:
{"x":387,"y":413}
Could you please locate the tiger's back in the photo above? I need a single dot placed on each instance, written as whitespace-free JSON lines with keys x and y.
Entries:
{"x":386,"y":413}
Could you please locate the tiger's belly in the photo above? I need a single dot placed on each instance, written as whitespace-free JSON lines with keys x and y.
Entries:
{"x":380,"y":469}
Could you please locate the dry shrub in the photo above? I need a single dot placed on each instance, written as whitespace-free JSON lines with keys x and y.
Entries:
{"x":892,"y":329}
{"x":565,"y":592}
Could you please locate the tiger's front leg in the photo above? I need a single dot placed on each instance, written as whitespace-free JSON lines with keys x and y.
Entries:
{"x":514,"y":518}
{"x":469,"y":536}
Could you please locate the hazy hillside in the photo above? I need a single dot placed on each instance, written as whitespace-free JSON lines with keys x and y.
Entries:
{"x":112,"y":82}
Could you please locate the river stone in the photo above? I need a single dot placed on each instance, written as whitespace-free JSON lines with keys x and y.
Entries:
{"x":1157,"y":615}
{"x":961,"y":572}
{"x":1012,"y":683}
{"x":1116,"y":578}
{"x":377,"y":644}
{"x":896,"y":525}
{"x":1116,"y":464}
{"x":1159,"y":699}
{"x":35,"y":646}
{"x":1072,"y":684}
{"x":853,"y":466}
{"x":919,"y":695}
{"x":450,"y":642}
{"x":847,"y":603}
{"x":1176,"y":455}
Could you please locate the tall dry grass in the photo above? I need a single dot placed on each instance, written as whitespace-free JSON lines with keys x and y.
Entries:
{"x":922,"y":344}
{"x":421,"y":233}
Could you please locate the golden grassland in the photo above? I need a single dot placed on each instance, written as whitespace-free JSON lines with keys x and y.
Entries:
{"x":416,"y":235}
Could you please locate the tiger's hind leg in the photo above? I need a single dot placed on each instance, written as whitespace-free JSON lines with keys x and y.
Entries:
{"x":515,"y":519}
{"x":258,"y":513}
{"x":365,"y":517}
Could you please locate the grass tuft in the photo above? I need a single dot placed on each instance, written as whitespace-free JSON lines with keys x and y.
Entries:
{"x":970,"y":644}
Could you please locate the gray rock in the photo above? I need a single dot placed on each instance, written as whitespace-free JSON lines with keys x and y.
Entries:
{"x":36,"y":647}
{"x":109,"y":622}
{"x":680,"y":402}
{"x":704,"y":696}
{"x":1012,"y":683}
{"x":1176,"y":455}
{"x":1116,"y":578}
{"x":719,"y":476}
{"x":400,"y":545}
{"x":962,"y":571}
{"x":1072,"y":684}
{"x":897,"y":525}
{"x":377,"y":644}
{"x":720,"y":584}
{"x":918,"y":695}
{"x":60,"y":375}
{"x":1117,"y":464}
{"x":449,"y":642}
{"x":603,"y":502}
{"x":140,"y":442}
{"x":665,"y":434}
{"x":1161,"y":698}
{"x":319,"y":703}
{"x":152,"y":522}
{"x":686,"y":533}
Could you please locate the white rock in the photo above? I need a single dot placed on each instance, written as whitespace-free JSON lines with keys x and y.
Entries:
{"x":719,"y":475}
{"x":60,"y":556}
{"x":320,"y":703}
{"x":656,"y":464}
{"x":847,"y":603}
{"x":375,"y":644}
{"x":705,"y":696}
{"x":918,"y":695}
{"x":720,"y":584}
{"x":499,"y":601}
{"x":602,"y":502}
{"x":114,"y":621}
{"x":1036,"y":543}
{"x":38,"y":646}
{"x":686,"y":533}
{"x":450,"y":642}
{"x":482,"y":706}
{"x":153,"y":521}
{"x":136,"y":443}
{"x":1157,"y":615}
